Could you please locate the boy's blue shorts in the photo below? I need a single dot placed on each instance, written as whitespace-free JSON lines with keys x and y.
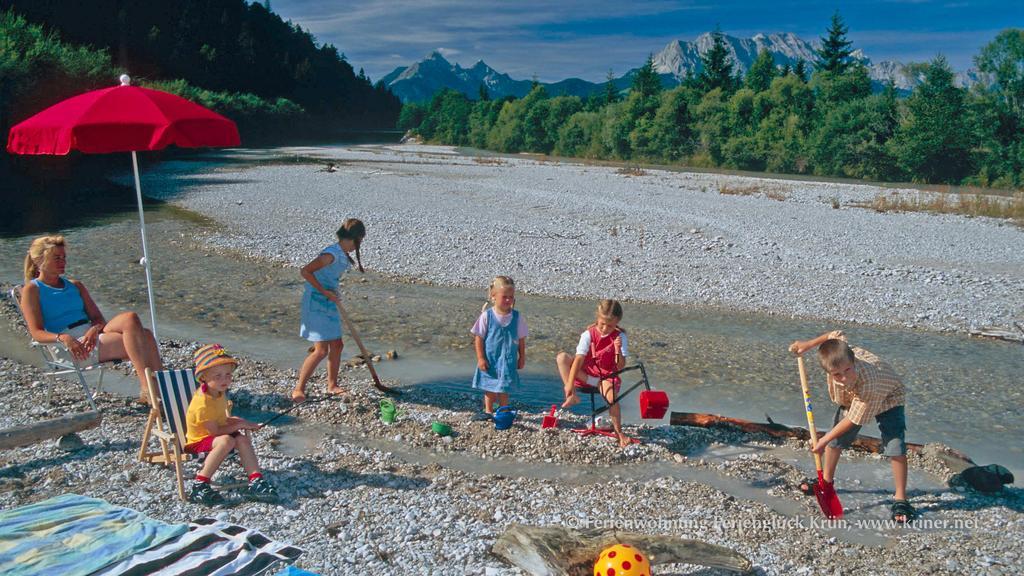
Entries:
{"x":892,"y":424}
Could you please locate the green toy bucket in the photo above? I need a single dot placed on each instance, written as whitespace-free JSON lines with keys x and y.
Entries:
{"x":388,"y":411}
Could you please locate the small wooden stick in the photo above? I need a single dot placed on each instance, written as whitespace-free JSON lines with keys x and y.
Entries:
{"x":362,"y":349}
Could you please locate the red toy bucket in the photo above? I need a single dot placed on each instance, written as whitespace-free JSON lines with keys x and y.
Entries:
{"x":653,"y":404}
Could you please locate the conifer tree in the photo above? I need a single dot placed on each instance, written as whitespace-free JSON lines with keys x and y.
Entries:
{"x":611,"y":93}
{"x":801,"y":70}
{"x":646,"y":82}
{"x":717,"y":71}
{"x":933,"y":143}
{"x":835,"y":50}
{"x":761,"y":72}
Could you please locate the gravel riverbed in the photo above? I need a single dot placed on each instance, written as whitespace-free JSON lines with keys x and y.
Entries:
{"x":362,"y":497}
{"x":569,"y":229}
{"x":359,"y":507}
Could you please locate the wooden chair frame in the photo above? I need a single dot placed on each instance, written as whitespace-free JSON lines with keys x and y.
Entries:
{"x":171,"y":438}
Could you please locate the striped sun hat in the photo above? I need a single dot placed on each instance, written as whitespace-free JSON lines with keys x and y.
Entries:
{"x":211,"y":355}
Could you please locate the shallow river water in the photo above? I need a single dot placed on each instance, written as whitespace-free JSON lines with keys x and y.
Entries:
{"x":962,"y":391}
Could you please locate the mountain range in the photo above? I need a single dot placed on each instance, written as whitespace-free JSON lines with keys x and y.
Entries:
{"x":419,"y":82}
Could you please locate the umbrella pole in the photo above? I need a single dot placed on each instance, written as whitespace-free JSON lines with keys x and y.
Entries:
{"x":145,"y":250}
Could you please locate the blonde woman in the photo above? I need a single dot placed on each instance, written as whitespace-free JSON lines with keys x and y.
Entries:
{"x":59,"y":309}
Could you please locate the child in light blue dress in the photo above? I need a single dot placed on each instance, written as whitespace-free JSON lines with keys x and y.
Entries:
{"x":321,"y":321}
{"x":500,"y":342}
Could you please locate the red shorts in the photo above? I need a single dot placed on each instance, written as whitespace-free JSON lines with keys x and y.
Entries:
{"x":204,"y":445}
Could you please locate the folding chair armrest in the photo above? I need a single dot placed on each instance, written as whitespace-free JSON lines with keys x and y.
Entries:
{"x":112,"y":361}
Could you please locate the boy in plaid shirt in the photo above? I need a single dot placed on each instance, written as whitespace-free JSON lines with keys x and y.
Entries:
{"x":864,"y":386}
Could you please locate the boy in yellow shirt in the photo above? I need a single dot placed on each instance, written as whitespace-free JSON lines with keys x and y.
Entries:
{"x":210,"y":428}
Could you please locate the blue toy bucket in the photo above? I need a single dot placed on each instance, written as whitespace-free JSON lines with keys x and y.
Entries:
{"x":503,"y":418}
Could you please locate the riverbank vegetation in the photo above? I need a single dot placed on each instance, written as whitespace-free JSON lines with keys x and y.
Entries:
{"x":238,"y":58}
{"x":827,"y":123}
{"x":970,"y":204}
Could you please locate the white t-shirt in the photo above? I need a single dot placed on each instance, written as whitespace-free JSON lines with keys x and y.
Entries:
{"x":584,"y":346}
{"x":480,"y":326}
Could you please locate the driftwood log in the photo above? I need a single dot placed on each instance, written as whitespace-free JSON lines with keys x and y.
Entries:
{"x":1000,"y":332}
{"x":38,"y":431}
{"x":559,"y":551}
{"x":865,"y":443}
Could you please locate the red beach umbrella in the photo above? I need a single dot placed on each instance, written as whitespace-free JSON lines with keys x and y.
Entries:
{"x":124,"y":118}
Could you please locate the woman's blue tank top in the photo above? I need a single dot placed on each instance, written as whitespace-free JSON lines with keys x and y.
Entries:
{"x":61,"y":307}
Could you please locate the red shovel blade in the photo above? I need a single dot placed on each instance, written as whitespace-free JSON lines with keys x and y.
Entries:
{"x":827,"y":498}
{"x":550,"y":421}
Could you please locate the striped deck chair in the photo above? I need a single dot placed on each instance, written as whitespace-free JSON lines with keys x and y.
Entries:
{"x":170,"y":392}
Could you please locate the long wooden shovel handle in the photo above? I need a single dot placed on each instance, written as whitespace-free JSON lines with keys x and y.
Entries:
{"x":362,"y":349}
{"x":810,"y":412}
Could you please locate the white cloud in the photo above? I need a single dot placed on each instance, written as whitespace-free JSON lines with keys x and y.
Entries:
{"x":555,"y":40}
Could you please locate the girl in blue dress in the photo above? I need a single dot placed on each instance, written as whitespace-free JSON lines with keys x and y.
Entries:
{"x":321,"y":322}
{"x":500,"y":342}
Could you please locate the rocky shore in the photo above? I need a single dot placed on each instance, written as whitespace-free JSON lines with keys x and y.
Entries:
{"x":363,"y":497}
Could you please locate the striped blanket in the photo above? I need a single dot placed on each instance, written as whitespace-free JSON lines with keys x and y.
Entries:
{"x":210,"y":548}
{"x":72,"y":535}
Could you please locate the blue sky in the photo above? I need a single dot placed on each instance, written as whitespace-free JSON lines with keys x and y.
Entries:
{"x":552,"y":39}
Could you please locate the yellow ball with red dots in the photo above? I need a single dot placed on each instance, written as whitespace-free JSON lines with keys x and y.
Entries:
{"x":622,"y":560}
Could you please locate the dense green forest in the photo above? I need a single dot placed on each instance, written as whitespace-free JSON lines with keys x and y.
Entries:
{"x":238,"y":58}
{"x":778,"y":120}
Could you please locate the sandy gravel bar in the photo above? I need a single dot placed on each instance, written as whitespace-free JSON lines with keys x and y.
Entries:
{"x":366,"y":498}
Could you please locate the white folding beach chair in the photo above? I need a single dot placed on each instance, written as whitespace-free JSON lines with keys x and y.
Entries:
{"x":59,"y":361}
{"x":170,"y":392}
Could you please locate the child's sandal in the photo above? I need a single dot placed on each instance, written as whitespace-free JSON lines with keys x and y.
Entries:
{"x":903,"y":509}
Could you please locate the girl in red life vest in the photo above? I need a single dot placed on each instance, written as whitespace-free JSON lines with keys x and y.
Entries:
{"x":601,"y":352}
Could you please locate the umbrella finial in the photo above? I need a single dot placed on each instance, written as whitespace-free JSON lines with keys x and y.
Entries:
{"x":125,"y":79}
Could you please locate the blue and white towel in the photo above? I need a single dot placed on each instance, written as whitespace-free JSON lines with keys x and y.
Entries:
{"x":73,"y":535}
